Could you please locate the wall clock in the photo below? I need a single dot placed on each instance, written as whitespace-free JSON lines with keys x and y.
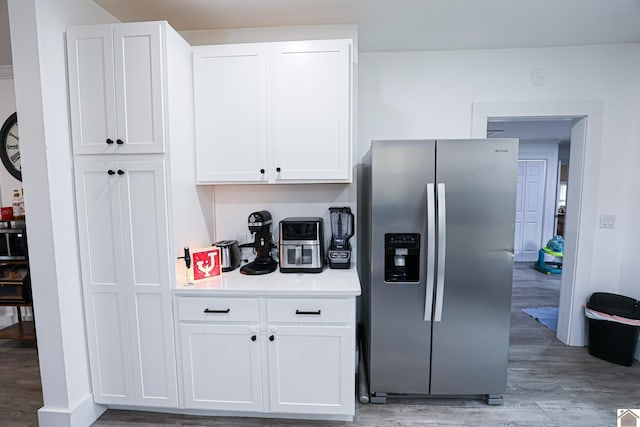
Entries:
{"x":10,"y":147}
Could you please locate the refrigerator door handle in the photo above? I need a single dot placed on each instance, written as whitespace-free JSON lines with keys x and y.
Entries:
{"x":431,"y":251}
{"x":442,"y":241}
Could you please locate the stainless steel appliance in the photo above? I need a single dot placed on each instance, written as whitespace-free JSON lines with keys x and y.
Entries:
{"x":436,"y":236}
{"x":259,"y":224}
{"x":301,"y":245}
{"x":339,"y":254}
{"x":229,"y":254}
{"x":13,"y":240}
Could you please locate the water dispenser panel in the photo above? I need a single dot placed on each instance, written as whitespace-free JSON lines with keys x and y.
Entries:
{"x":402,"y":257}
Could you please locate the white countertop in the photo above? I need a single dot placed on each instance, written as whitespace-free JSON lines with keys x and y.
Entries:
{"x":327,"y":283}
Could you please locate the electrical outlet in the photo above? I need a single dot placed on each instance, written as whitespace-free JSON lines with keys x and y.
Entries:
{"x":608,"y":221}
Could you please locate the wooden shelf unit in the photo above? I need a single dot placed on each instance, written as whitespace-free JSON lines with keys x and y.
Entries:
{"x":15,"y":283}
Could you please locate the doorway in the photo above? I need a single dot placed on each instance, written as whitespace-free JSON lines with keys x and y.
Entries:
{"x":586,"y":130}
{"x":536,"y":293}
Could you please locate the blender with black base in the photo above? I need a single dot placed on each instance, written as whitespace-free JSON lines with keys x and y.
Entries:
{"x":260,"y":225}
{"x":341,"y":231}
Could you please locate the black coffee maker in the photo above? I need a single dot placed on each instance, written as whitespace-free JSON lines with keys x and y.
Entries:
{"x":260,"y":226}
{"x":341,"y":231}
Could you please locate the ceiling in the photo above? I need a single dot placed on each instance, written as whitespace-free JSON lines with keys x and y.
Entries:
{"x":533,"y":129}
{"x":5,"y":44}
{"x":404,"y":25}
{"x":399,"y":25}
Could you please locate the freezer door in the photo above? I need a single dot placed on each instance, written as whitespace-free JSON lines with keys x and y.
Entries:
{"x":398,"y":333}
{"x":476,"y":181}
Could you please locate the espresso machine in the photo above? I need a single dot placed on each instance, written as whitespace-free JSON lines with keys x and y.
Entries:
{"x":341,"y":231}
{"x":259,"y":224}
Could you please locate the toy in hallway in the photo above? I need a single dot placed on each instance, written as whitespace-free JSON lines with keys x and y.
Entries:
{"x":555,"y":248}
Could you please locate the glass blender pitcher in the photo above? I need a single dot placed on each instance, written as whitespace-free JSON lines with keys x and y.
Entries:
{"x":341,"y":231}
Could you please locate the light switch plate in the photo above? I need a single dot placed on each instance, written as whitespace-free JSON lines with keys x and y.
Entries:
{"x":607,"y":221}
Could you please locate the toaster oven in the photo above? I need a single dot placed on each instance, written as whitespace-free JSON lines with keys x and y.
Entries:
{"x":301,"y":245}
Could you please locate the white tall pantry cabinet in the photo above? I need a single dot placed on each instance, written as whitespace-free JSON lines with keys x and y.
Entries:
{"x":132,"y":124}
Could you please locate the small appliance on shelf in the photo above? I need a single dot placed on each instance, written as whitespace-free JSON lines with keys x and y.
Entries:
{"x":230,"y":254}
{"x":259,"y":224}
{"x":301,"y":245}
{"x":341,"y":231}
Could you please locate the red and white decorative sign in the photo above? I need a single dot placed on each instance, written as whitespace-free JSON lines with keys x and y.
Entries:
{"x":206,"y":262}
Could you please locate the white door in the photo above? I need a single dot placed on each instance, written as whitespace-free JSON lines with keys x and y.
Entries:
{"x":139,"y":83}
{"x":311,"y":369}
{"x":230,"y":91}
{"x":311,"y":105}
{"x":529,"y":209}
{"x":91,"y":89}
{"x":221,"y":366}
{"x":123,"y":229}
{"x":147,"y":273}
{"x":105,"y":290}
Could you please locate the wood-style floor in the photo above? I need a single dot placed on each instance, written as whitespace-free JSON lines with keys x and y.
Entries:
{"x":549,"y":384}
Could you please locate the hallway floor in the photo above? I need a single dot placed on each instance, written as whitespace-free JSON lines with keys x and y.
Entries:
{"x":549,"y":384}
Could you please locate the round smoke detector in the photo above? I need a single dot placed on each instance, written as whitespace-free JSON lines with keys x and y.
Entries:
{"x":537,"y":76}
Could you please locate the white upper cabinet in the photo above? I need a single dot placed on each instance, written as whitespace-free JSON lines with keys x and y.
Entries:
{"x":311,"y":111}
{"x":230,"y":83}
{"x":116,"y":88}
{"x":274,"y":112}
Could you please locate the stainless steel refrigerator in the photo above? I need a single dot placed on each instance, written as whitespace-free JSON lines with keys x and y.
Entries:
{"x":436,"y":240}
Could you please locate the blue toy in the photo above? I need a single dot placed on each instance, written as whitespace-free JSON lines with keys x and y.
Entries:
{"x":555,"y":248}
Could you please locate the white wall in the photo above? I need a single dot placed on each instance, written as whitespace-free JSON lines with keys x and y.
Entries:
{"x":7,"y":107}
{"x":7,"y":182}
{"x":630,"y":271}
{"x":430,"y":94}
{"x":39,"y":60}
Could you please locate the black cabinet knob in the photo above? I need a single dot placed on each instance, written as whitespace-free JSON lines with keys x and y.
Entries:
{"x":271,"y":338}
{"x":119,"y":141}
{"x":111,"y":172}
{"x":253,"y":338}
{"x":277,"y":169}
{"x":120,"y":172}
{"x":109,"y":141}
{"x":261,"y":170}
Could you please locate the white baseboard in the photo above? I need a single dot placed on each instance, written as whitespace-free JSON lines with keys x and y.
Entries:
{"x":81,"y":415}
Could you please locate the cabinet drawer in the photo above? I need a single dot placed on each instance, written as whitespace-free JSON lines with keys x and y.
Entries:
{"x":218,"y":309}
{"x":310,"y":310}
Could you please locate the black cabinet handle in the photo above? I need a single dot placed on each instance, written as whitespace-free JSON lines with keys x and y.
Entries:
{"x":109,"y":141}
{"x":278,"y":169}
{"x":253,"y":338}
{"x":271,"y":338}
{"x":119,"y":141}
{"x":111,"y":172}
{"x":120,"y":172}
{"x":206,"y":310}
{"x":262,"y":171}
{"x":315,"y":313}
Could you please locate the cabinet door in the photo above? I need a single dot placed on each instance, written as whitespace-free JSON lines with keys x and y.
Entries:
{"x":311,"y":103}
{"x":123,"y":229}
{"x":116,"y":83}
{"x":311,"y":369}
{"x":147,"y":273}
{"x":139,"y":82}
{"x":221,"y":366}
{"x":231,"y":113}
{"x":91,"y":89}
{"x":105,"y":290}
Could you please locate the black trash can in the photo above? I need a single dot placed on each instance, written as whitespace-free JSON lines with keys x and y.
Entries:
{"x":613,"y":341}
